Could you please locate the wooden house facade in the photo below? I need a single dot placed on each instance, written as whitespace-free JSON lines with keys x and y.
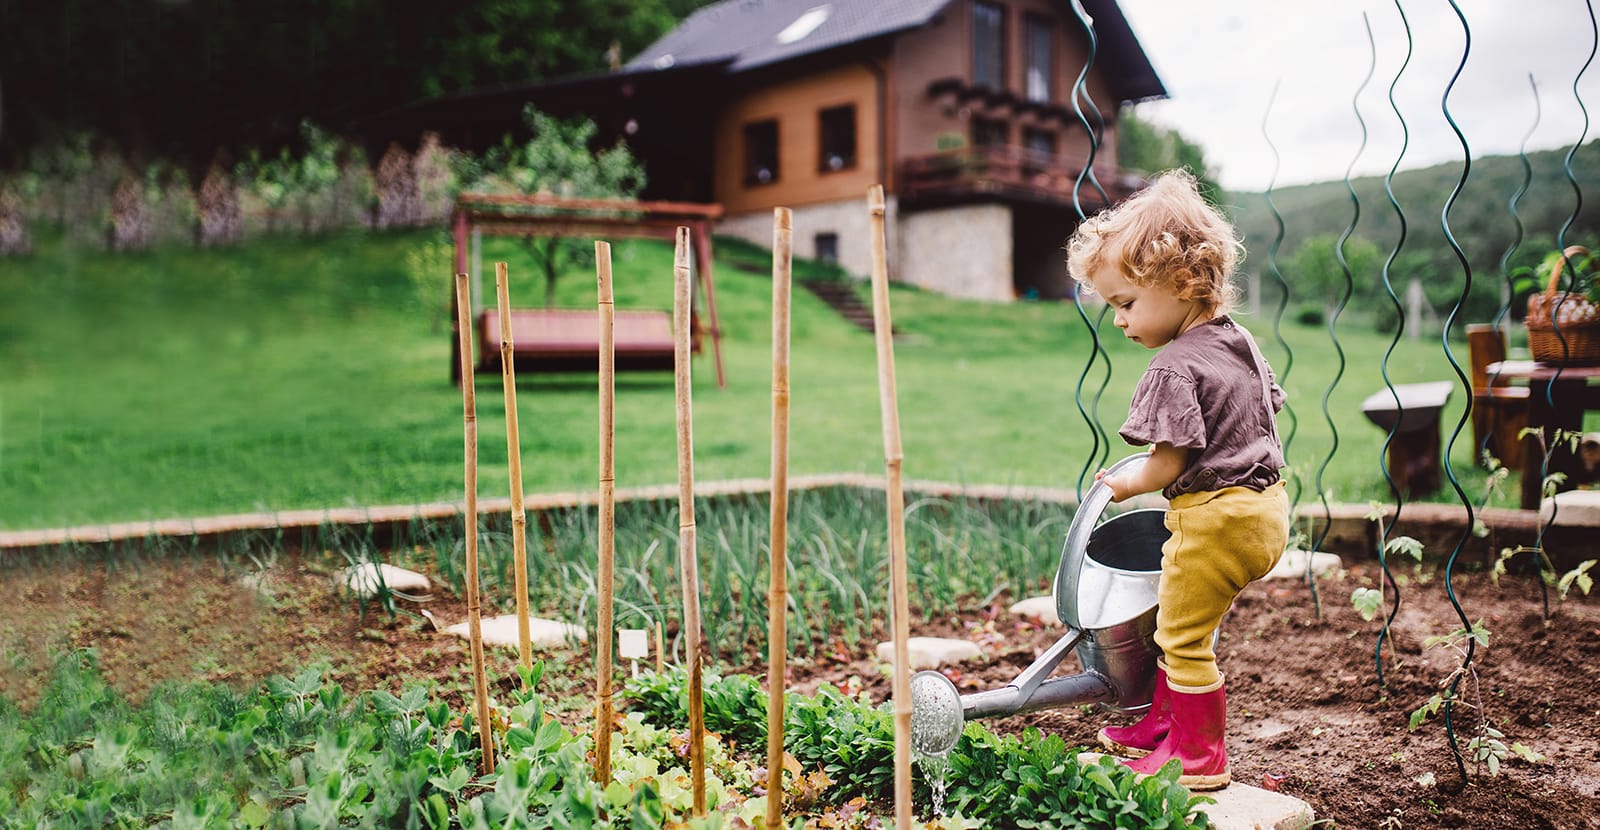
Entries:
{"x":962,"y":109}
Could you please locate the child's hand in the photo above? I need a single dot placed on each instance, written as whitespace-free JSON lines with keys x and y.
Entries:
{"x":1117,"y":485}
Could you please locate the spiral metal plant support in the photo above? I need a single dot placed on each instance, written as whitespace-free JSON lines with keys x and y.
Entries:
{"x":1283,"y":299}
{"x":1096,"y":134}
{"x":1466,"y":385}
{"x":1566,"y":264}
{"x":1509,"y":290}
{"x":1338,"y":309}
{"x":1516,"y":218}
{"x":1383,"y":365}
{"x":1101,"y":442}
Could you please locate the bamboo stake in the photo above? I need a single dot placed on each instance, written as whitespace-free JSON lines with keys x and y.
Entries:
{"x":608,"y":509}
{"x":778,"y":590}
{"x":682,"y":296}
{"x":519,"y":517}
{"x":469,"y":417}
{"x":899,"y":614}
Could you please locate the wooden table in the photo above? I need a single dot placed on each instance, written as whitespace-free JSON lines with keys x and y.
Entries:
{"x":1572,"y":392}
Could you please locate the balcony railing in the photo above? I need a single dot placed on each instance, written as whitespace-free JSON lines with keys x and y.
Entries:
{"x":1003,"y":173}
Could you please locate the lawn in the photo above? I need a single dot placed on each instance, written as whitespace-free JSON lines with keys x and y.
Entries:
{"x":313,"y":372}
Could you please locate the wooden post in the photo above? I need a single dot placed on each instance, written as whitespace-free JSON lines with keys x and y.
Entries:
{"x":899,"y":613}
{"x":519,"y":517}
{"x":480,"y":685}
{"x":778,"y":587}
{"x":682,"y":296}
{"x":608,"y":515}
{"x":457,"y":365}
{"x":702,"y":246}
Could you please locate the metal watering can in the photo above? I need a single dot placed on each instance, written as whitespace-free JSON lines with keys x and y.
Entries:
{"x":1105,"y":592}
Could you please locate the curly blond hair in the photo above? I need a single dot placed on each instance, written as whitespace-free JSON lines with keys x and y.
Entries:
{"x":1167,"y":235}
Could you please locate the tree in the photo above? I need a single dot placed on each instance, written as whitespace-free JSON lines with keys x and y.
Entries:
{"x":559,"y":161}
{"x":1150,"y":148}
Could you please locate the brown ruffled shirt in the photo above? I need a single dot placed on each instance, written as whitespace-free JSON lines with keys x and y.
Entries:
{"x":1211,"y":392}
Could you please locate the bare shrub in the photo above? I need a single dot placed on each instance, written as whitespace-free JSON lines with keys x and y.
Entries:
{"x":221,"y":221}
{"x":14,"y":240}
{"x":434,"y":167}
{"x":398,"y":198}
{"x":130,"y":228}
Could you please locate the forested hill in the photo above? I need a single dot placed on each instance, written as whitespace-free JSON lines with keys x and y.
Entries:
{"x":1480,"y":219}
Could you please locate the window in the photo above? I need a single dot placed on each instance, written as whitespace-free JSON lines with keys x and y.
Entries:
{"x":838,"y":139}
{"x":988,"y":45}
{"x":1040,"y":73}
{"x":761,"y":152}
{"x":987,"y":132}
{"x":827,"y":248}
{"x":1042,"y":142}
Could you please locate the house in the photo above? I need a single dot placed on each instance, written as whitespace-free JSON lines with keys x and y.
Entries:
{"x":962,"y":109}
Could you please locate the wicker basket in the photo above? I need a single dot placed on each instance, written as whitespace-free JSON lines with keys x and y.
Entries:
{"x":1579,"y":319}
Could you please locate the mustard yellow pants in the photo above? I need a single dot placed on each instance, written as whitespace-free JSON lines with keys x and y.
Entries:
{"x":1222,"y":540}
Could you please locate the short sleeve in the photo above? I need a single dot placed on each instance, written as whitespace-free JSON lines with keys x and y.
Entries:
{"x":1165,"y":409}
{"x":1277,"y":392}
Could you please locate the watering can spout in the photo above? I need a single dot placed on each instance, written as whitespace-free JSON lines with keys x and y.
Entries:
{"x":1086,"y":687}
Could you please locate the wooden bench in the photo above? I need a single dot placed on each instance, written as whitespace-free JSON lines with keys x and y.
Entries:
{"x":568,"y":340}
{"x":1414,"y":420}
{"x":1499,"y":410}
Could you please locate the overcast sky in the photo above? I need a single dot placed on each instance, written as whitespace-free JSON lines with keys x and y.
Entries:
{"x":1222,"y":59}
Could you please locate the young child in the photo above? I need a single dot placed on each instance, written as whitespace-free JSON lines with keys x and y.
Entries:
{"x":1162,"y":259}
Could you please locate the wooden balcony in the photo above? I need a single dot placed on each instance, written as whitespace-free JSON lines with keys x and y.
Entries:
{"x":1004,"y":173}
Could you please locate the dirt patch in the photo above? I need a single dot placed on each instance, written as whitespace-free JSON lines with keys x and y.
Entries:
{"x":1307,"y":714}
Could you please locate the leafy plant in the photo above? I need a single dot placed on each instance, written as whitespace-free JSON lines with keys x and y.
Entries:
{"x":1578,"y":576}
{"x":1034,"y":781}
{"x":1583,"y":267}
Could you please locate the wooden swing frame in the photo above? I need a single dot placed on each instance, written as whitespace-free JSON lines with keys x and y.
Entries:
{"x":643,"y":337}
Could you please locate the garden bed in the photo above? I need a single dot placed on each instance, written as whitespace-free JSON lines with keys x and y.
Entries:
{"x":1307,"y":715}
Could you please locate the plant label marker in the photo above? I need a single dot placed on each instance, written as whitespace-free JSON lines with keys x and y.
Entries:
{"x":682,"y":297}
{"x":633,"y":644}
{"x":778,"y":589}
{"x":606,"y":308}
{"x":469,"y":418}
{"x":899,"y":613}
{"x":661,"y":650}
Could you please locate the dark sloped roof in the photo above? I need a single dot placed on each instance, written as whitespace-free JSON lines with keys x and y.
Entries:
{"x":746,"y":31}
{"x":745,"y":34}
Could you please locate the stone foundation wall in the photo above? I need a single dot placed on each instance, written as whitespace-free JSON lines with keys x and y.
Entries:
{"x":959,"y":251}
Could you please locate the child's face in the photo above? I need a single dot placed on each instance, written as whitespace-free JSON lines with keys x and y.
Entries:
{"x":1150,"y":315}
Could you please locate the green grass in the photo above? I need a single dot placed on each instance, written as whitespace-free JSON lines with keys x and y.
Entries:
{"x":313,"y":372}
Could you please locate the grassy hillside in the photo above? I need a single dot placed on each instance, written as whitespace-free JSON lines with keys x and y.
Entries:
{"x":1480,"y":222}
{"x":302,"y":373}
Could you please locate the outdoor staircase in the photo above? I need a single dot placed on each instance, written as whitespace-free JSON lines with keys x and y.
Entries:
{"x":841,"y":297}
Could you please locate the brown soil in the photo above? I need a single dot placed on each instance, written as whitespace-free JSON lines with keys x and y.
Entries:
{"x":1307,"y":714}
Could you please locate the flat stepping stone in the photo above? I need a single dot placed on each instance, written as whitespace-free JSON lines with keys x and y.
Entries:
{"x":1243,"y":807}
{"x":365,"y":579}
{"x":502,"y":631}
{"x":932,"y":652}
{"x":1573,"y":508}
{"x":1293,"y":564}
{"x":1042,"y":609}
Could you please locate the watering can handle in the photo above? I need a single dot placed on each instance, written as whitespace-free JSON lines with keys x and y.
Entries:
{"x":1084,"y":522}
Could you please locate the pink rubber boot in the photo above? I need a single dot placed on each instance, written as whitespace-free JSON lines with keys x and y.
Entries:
{"x":1199,"y":722}
{"x":1138,"y":740}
